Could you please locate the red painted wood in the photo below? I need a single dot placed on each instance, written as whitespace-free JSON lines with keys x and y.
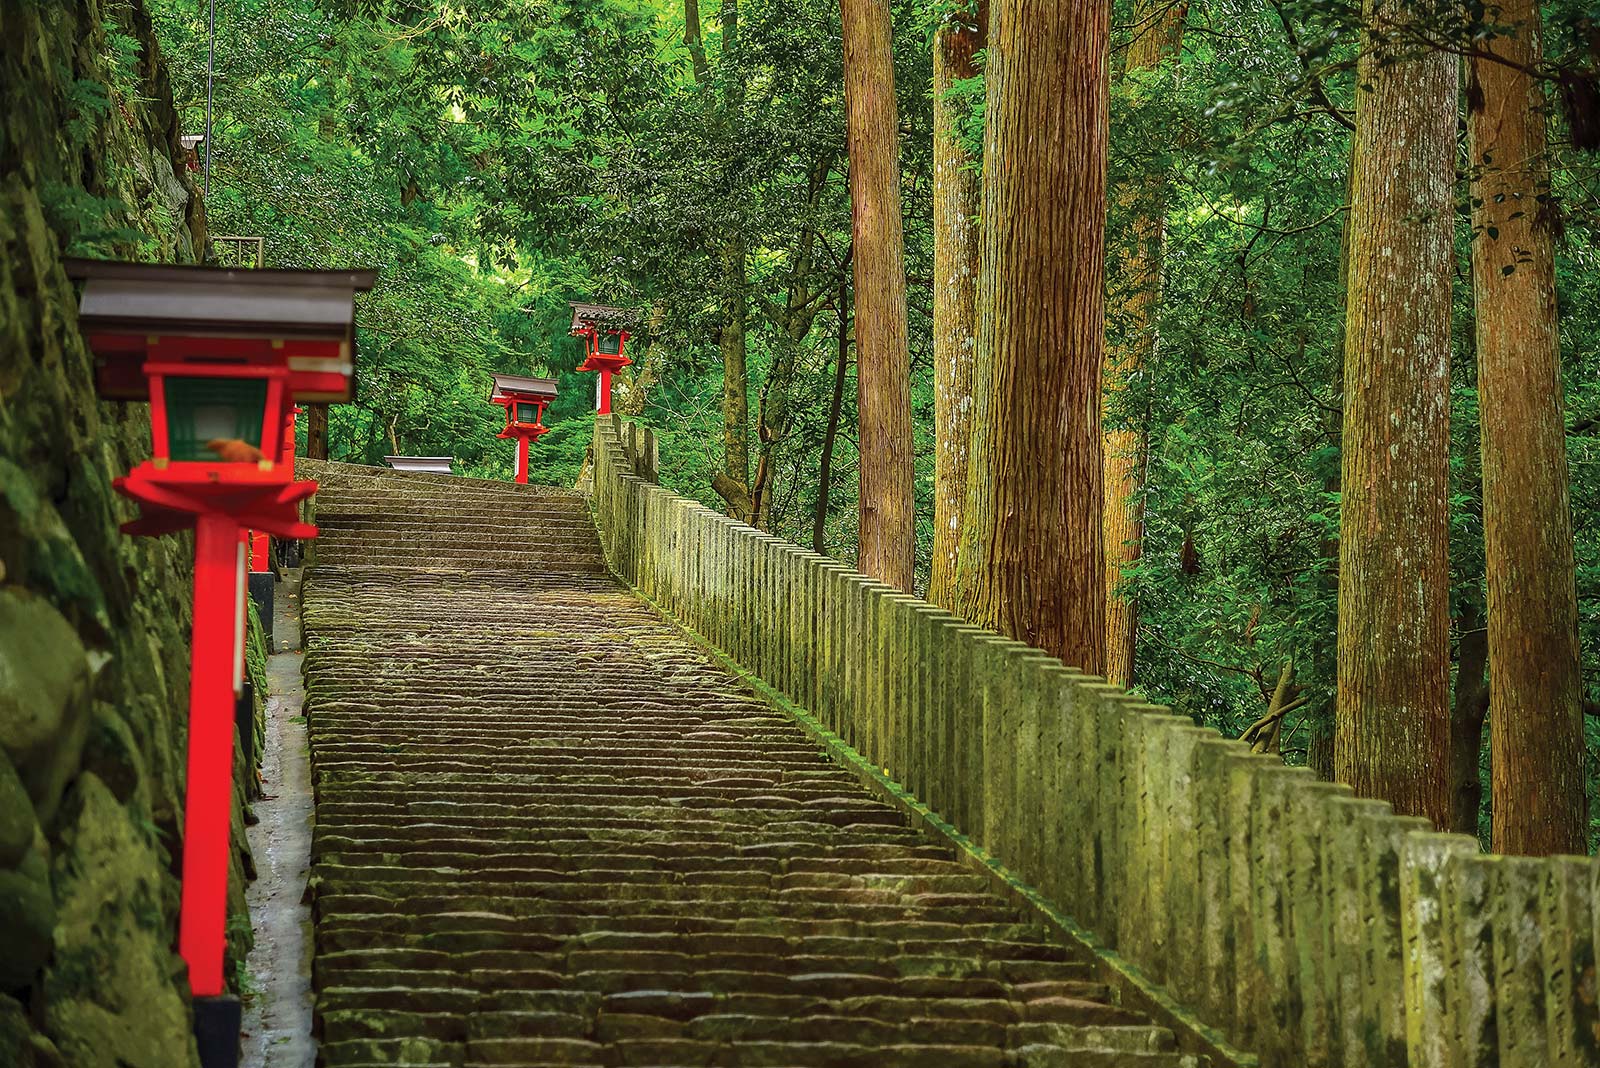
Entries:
{"x":258,"y":552}
{"x":208,"y":797}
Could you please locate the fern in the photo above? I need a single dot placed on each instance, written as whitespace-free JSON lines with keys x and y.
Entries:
{"x":88,"y":224}
{"x":88,"y":103}
{"x":122,"y":57}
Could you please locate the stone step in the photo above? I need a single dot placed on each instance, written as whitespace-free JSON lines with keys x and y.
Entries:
{"x":402,"y":507}
{"x":420,"y":554}
{"x":996,"y":938}
{"x":447,"y":536}
{"x":572,"y":523}
{"x":344,"y":479}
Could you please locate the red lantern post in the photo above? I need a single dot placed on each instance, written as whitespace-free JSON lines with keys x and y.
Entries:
{"x":220,"y":356}
{"x":605,"y":341}
{"x":524,"y":400}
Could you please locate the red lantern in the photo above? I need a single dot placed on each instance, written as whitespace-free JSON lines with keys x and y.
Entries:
{"x":524,"y":400}
{"x":221,"y":356}
{"x":605,"y":342}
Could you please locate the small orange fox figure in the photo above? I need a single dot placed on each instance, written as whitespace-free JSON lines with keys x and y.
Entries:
{"x":235,"y":451}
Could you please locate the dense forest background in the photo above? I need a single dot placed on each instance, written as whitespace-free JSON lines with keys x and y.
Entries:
{"x":493,"y":159}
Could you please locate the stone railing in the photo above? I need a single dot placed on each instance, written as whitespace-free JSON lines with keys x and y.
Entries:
{"x":1294,"y":919}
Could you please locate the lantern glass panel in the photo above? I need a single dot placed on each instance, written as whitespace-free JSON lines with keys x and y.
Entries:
{"x":527,"y":414}
{"x":208,"y":409}
{"x":610,"y":344}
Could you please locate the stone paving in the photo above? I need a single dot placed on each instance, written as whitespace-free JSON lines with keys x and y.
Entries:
{"x":551,"y":831}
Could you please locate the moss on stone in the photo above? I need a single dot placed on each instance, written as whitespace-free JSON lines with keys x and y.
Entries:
{"x":20,"y":1045}
{"x":17,"y":825}
{"x":110,"y":997}
{"x":44,"y":686}
{"x":112,"y":753}
{"x":27,"y":916}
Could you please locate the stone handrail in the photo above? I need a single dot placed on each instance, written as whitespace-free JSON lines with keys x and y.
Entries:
{"x":1304,"y":924}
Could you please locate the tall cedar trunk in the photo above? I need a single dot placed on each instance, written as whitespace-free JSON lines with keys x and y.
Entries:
{"x":1392,"y":739}
{"x":735,"y":381}
{"x":1032,"y":560}
{"x":317,"y":431}
{"x":735,"y":289}
{"x":1137,"y":292}
{"x":819,"y":524}
{"x":883,"y":361}
{"x":1535,"y":721}
{"x":956,"y":189}
{"x":692,"y":39}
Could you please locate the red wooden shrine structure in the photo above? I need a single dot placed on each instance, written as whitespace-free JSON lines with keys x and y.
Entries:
{"x":221,"y":356}
{"x":524,"y":400}
{"x":605,"y":334}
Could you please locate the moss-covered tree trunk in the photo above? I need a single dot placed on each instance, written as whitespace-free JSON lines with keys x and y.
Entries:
{"x":735,"y":291}
{"x":956,"y":192}
{"x":1136,"y":294}
{"x":1535,"y":720}
{"x":1032,"y":560}
{"x":883,"y":362}
{"x":693,"y":41}
{"x":317,"y":431}
{"x":1392,"y":738}
{"x":735,"y":378}
{"x":841,"y":366}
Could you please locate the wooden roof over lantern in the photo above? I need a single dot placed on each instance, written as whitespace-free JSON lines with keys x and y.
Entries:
{"x":304,"y":320}
{"x":603,"y":316}
{"x":509,"y":388}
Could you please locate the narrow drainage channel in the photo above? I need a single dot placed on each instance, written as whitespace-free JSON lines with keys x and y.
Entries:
{"x":277,"y":1003}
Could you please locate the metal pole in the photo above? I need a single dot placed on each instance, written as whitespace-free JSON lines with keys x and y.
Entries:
{"x":211,"y":62}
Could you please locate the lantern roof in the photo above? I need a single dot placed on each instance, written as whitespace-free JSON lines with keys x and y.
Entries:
{"x":509,"y":388}
{"x":433,"y":465}
{"x":304,"y":320}
{"x":600,"y":315}
{"x":160,"y":298}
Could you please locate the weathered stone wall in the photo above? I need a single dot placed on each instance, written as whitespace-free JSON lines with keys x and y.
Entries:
{"x":1302,"y":923}
{"x":93,"y":625}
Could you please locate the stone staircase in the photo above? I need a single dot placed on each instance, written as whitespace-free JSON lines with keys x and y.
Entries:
{"x":377,"y":517}
{"x":552,"y":831}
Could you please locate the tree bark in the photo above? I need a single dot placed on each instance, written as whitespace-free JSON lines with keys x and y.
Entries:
{"x":1032,"y":559}
{"x":317,"y":431}
{"x":883,"y":361}
{"x":956,"y":193}
{"x":1392,"y":739}
{"x":1535,"y":722}
{"x":692,"y":40}
{"x":735,"y":283}
{"x":819,"y":523}
{"x":735,"y":378}
{"x":1136,"y":289}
